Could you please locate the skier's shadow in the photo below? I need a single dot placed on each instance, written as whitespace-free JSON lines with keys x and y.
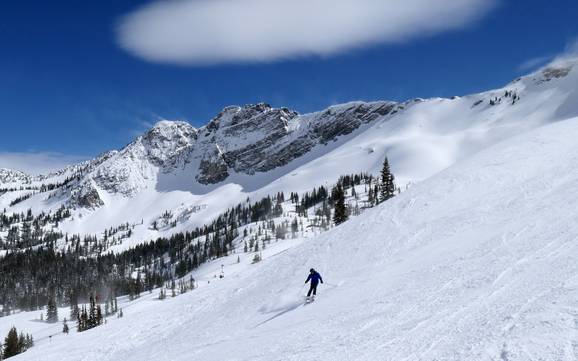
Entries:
{"x":287,"y":309}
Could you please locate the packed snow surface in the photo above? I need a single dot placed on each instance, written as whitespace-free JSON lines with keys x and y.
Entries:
{"x":475,"y":263}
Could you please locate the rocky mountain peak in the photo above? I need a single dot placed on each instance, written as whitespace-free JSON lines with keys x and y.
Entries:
{"x":12,"y":176}
{"x":168,"y":139}
{"x":236,"y":116}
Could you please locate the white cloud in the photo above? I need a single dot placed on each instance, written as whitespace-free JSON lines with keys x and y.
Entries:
{"x":37,"y":162}
{"x":202,"y":32}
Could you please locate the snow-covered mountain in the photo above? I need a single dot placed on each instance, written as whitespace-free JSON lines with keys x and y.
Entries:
{"x":475,"y":263}
{"x":9,"y":176}
{"x":256,"y":150}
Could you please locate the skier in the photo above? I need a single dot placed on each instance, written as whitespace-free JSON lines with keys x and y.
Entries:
{"x":315,"y":278}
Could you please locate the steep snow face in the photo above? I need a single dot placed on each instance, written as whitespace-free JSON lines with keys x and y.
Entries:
{"x":163,"y":148}
{"x":475,"y":263}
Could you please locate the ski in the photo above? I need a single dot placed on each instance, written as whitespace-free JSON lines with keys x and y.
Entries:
{"x":309,"y":300}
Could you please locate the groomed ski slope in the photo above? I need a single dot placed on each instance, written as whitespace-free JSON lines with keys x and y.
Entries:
{"x":479,"y":262}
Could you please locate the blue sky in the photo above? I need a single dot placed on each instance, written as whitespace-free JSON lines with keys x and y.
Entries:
{"x":81,"y":77}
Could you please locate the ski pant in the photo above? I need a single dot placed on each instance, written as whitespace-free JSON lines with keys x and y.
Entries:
{"x":312,"y":289}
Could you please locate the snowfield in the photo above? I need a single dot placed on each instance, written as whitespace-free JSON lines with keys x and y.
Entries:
{"x":476,"y":263}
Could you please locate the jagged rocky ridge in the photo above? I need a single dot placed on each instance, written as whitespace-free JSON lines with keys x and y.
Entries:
{"x":243,"y":140}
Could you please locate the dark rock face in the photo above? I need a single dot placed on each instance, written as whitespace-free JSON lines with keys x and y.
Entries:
{"x":87,"y":197}
{"x":335,"y":124}
{"x":273,"y":143}
{"x":213,"y":168}
{"x":556,"y":73}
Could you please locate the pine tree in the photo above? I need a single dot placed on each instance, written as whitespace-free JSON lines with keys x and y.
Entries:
{"x":370,"y":197}
{"x":74,"y":311}
{"x":92,"y":317}
{"x":82,"y":320}
{"x":294,"y":227}
{"x":11,"y":343}
{"x":98,"y":320}
{"x":340,"y":212}
{"x":51,"y":310}
{"x":387,"y":186}
{"x":21,"y":343}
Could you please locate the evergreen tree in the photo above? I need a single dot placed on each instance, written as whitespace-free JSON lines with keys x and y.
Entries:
{"x":294,"y":227}
{"x":21,"y":343}
{"x":65,"y":328}
{"x":340,"y":212}
{"x":387,"y":187}
{"x":92,"y":316}
{"x":370,"y":197}
{"x":83,"y":322}
{"x":51,"y":310}
{"x":98,"y":319}
{"x":11,"y":343}
{"x":74,"y":311}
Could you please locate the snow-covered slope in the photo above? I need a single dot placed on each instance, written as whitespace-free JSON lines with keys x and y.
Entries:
{"x":475,"y":263}
{"x":257,"y":150}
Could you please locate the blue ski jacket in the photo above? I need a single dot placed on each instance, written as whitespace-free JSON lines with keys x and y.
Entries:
{"x":314,"y":278}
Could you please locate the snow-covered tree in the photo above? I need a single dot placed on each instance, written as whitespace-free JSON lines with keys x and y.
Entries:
{"x":51,"y":310}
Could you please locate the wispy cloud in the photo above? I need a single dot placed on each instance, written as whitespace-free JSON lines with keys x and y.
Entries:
{"x":534,"y":63}
{"x":204,"y":32}
{"x":570,"y":52}
{"x":37,"y":162}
